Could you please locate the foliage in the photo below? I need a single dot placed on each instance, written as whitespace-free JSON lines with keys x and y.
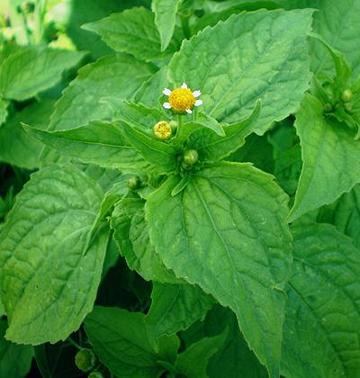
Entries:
{"x":180,"y":188}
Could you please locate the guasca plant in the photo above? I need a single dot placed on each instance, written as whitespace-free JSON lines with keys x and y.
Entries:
{"x":202,"y":161}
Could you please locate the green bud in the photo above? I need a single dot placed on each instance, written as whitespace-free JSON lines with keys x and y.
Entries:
{"x":85,"y":359}
{"x":347,"y":95}
{"x":134,"y":182}
{"x":162,"y":130}
{"x":96,"y":374}
{"x":348,"y":106}
{"x":328,"y":108}
{"x":190,"y":157}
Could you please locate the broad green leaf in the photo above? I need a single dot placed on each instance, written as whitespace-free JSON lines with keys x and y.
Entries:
{"x":322,"y":326}
{"x":3,"y":110}
{"x":233,"y":359}
{"x":155,"y":151}
{"x":115,"y":76}
{"x":132,"y":236}
{"x":330,"y":155}
{"x":165,"y":19}
{"x":121,"y":342}
{"x":175,"y":307}
{"x":132,"y":31}
{"x":345,"y":215}
{"x":47,"y":284}
{"x":203,"y":120}
{"x":100,"y":143}
{"x":194,"y":360}
{"x":16,"y":146}
{"x":212,"y":147}
{"x":246,"y":249}
{"x":261,"y":55}
{"x":337,"y":23}
{"x":31,"y":70}
{"x":15,"y":360}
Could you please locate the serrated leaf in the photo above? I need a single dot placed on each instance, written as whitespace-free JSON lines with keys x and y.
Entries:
{"x":322,"y":326}
{"x":132,"y":236}
{"x":242,"y":212}
{"x":132,"y":31}
{"x":165,"y":19}
{"x":114,"y":76}
{"x":194,"y":360}
{"x":40,"y":280}
{"x":261,"y":55}
{"x":331,"y":158}
{"x":99,"y":142}
{"x":33,"y":69}
{"x":15,"y":360}
{"x":175,"y":307}
{"x":121,"y":342}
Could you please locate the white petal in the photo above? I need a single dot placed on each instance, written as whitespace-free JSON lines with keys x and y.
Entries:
{"x":166,"y":92}
{"x":188,"y":111}
{"x":167,"y":105}
{"x":196,"y":94}
{"x":184,"y":85}
{"x":198,"y":102}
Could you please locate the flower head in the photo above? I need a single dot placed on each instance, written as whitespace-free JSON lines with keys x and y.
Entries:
{"x":182,"y":99}
{"x":162,"y":130}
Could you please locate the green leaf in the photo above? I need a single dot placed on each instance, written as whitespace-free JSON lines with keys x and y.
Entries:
{"x":337,"y":23}
{"x":156,"y":152}
{"x":175,"y":307}
{"x":16,"y":146}
{"x":15,"y":360}
{"x":322,"y":326}
{"x":132,"y":236}
{"x":331,"y":158}
{"x":165,"y":19}
{"x":260,"y":55}
{"x":211,"y":147}
{"x":247,"y":248}
{"x":115,"y":76}
{"x":48,"y":287}
{"x":3,"y":110}
{"x":345,"y":215}
{"x":194,"y":360}
{"x":203,"y":120}
{"x":33,"y":69}
{"x":132,"y":31}
{"x":100,"y":143}
{"x":121,"y":342}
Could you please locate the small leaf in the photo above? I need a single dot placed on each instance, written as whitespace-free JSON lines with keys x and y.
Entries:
{"x":121,"y":342}
{"x":175,"y":307}
{"x":165,"y":19}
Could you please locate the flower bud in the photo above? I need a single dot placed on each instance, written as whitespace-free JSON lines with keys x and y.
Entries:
{"x":134,"y":182}
{"x":328,"y":108}
{"x":347,"y":95}
{"x":85,"y":359}
{"x":190,"y":157}
{"x":162,"y":130}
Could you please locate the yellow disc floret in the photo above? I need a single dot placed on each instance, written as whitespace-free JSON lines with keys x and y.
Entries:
{"x":182,"y":99}
{"x":162,"y":130}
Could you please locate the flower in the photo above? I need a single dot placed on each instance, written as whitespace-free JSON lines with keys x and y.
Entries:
{"x":182,"y":99}
{"x":162,"y":130}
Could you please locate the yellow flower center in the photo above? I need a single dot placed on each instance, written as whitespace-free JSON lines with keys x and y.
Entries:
{"x":182,"y":99}
{"x":162,"y":130}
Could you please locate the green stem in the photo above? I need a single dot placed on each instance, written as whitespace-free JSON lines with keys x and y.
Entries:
{"x":74,"y":343}
{"x":40,"y":12}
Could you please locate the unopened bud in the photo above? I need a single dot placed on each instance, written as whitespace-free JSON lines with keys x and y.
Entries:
{"x":134,"y":182}
{"x":190,"y":157}
{"x":162,"y":130}
{"x":328,"y":108}
{"x":95,"y":374}
{"x":85,"y":359}
{"x":347,"y":95}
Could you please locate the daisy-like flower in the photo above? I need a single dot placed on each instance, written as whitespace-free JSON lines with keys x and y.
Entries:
{"x":182,"y":99}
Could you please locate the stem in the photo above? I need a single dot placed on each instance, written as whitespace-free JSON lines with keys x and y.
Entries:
{"x":40,"y":12}
{"x":74,"y":343}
